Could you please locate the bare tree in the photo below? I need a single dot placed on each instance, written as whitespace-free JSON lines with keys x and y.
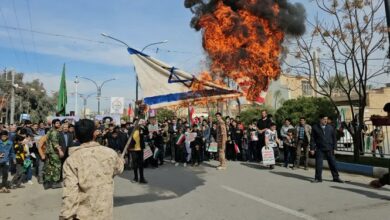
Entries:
{"x":350,"y":39}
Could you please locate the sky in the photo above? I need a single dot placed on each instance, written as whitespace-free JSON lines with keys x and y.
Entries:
{"x":58,"y":32}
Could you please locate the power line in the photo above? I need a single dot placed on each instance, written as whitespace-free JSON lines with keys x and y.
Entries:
{"x":8,"y":27}
{"x":32,"y":34}
{"x":158,"y":49}
{"x":20,"y":34}
{"x":57,"y":35}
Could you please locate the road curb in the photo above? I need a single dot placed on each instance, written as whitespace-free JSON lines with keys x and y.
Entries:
{"x":356,"y":168}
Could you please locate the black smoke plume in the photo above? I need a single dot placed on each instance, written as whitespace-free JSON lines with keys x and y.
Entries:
{"x":291,"y":17}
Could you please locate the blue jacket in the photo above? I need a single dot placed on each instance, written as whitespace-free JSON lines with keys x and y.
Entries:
{"x":323,"y":139}
{"x":7,"y":148}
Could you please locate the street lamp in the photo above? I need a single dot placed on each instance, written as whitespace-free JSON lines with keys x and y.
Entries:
{"x":98,"y":88}
{"x":76,"y":82}
{"x":85,"y":98}
{"x":136,"y":77}
{"x":151,"y":44}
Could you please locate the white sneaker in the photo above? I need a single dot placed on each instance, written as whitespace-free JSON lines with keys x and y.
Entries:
{"x":30,"y":182}
{"x":185,"y":164}
{"x":173,"y":161}
{"x":176,"y":164}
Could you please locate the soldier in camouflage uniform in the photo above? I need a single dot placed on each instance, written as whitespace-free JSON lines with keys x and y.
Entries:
{"x":89,"y":177}
{"x":52,"y":167}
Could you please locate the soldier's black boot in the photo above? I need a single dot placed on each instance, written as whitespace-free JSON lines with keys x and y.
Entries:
{"x":40,"y":180}
{"x":47,"y":185}
{"x":143,"y":181}
{"x":56,"y":185}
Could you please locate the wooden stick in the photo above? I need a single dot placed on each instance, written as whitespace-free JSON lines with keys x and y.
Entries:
{"x":136,"y":126}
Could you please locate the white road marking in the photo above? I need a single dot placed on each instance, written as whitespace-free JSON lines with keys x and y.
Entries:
{"x":270,"y":204}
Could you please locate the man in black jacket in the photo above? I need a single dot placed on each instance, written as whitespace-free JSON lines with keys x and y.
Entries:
{"x":262,"y":125}
{"x":323,"y":144}
{"x":66,"y":140}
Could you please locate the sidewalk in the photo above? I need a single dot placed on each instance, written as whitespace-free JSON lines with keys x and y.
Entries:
{"x":360,"y":169}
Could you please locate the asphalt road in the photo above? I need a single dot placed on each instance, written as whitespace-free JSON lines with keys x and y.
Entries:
{"x":243,"y":191}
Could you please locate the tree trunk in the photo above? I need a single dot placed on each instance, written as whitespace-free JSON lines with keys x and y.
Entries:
{"x":358,"y":137}
{"x":357,"y":143}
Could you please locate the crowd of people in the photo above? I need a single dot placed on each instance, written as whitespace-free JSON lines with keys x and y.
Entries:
{"x":43,"y":148}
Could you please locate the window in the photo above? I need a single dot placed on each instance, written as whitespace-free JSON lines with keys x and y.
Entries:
{"x":306,"y":88}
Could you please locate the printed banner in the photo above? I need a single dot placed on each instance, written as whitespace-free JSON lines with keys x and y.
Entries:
{"x":117,"y":105}
{"x":213,"y":148}
{"x":268,"y":156}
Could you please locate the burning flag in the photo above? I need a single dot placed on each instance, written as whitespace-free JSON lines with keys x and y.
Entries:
{"x":166,"y":85}
{"x":243,"y":38}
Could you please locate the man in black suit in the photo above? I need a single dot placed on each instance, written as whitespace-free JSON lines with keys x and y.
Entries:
{"x":323,"y":144}
{"x":66,"y":139}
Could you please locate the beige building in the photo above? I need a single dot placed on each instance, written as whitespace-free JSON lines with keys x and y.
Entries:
{"x":288,"y":87}
{"x":376,"y":99}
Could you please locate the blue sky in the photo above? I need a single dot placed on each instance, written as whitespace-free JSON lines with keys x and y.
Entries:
{"x":134,"y":21}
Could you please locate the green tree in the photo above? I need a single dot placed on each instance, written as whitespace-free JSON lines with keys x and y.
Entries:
{"x":308,"y":107}
{"x":164,"y":114}
{"x":253,"y":113}
{"x":30,"y":97}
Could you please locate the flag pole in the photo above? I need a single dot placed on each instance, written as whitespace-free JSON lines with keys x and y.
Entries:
{"x":136,"y":126}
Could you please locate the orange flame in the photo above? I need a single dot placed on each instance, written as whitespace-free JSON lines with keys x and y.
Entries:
{"x":249,"y":56}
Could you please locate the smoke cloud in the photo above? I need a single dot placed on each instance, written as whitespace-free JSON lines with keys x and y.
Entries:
{"x":291,"y":17}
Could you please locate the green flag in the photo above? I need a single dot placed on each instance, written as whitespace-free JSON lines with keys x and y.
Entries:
{"x":62,"y":95}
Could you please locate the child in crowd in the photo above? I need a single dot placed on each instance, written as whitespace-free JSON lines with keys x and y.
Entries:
{"x":253,"y":142}
{"x":180,"y":148}
{"x":188,"y":145}
{"x":290,"y":147}
{"x":196,"y":146}
{"x":21,"y":152}
{"x":6,"y":154}
{"x":245,"y":147}
{"x":272,"y":140}
{"x":28,"y":163}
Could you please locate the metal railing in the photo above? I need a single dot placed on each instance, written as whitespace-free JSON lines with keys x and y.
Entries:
{"x":370,"y":143}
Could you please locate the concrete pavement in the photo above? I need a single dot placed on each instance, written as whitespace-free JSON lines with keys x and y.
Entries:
{"x":243,"y":191}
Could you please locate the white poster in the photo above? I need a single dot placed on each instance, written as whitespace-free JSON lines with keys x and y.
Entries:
{"x":117,"y":105}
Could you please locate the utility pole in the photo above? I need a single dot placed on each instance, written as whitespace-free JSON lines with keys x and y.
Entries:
{"x":12,"y":118}
{"x":76,"y":82}
{"x":99,"y":96}
{"x":136,"y":94}
{"x":387,"y":10}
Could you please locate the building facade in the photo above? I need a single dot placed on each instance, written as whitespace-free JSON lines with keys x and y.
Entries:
{"x":288,"y":87}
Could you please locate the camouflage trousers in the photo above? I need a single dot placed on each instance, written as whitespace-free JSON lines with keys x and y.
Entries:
{"x":221,"y":154}
{"x":52,"y":168}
